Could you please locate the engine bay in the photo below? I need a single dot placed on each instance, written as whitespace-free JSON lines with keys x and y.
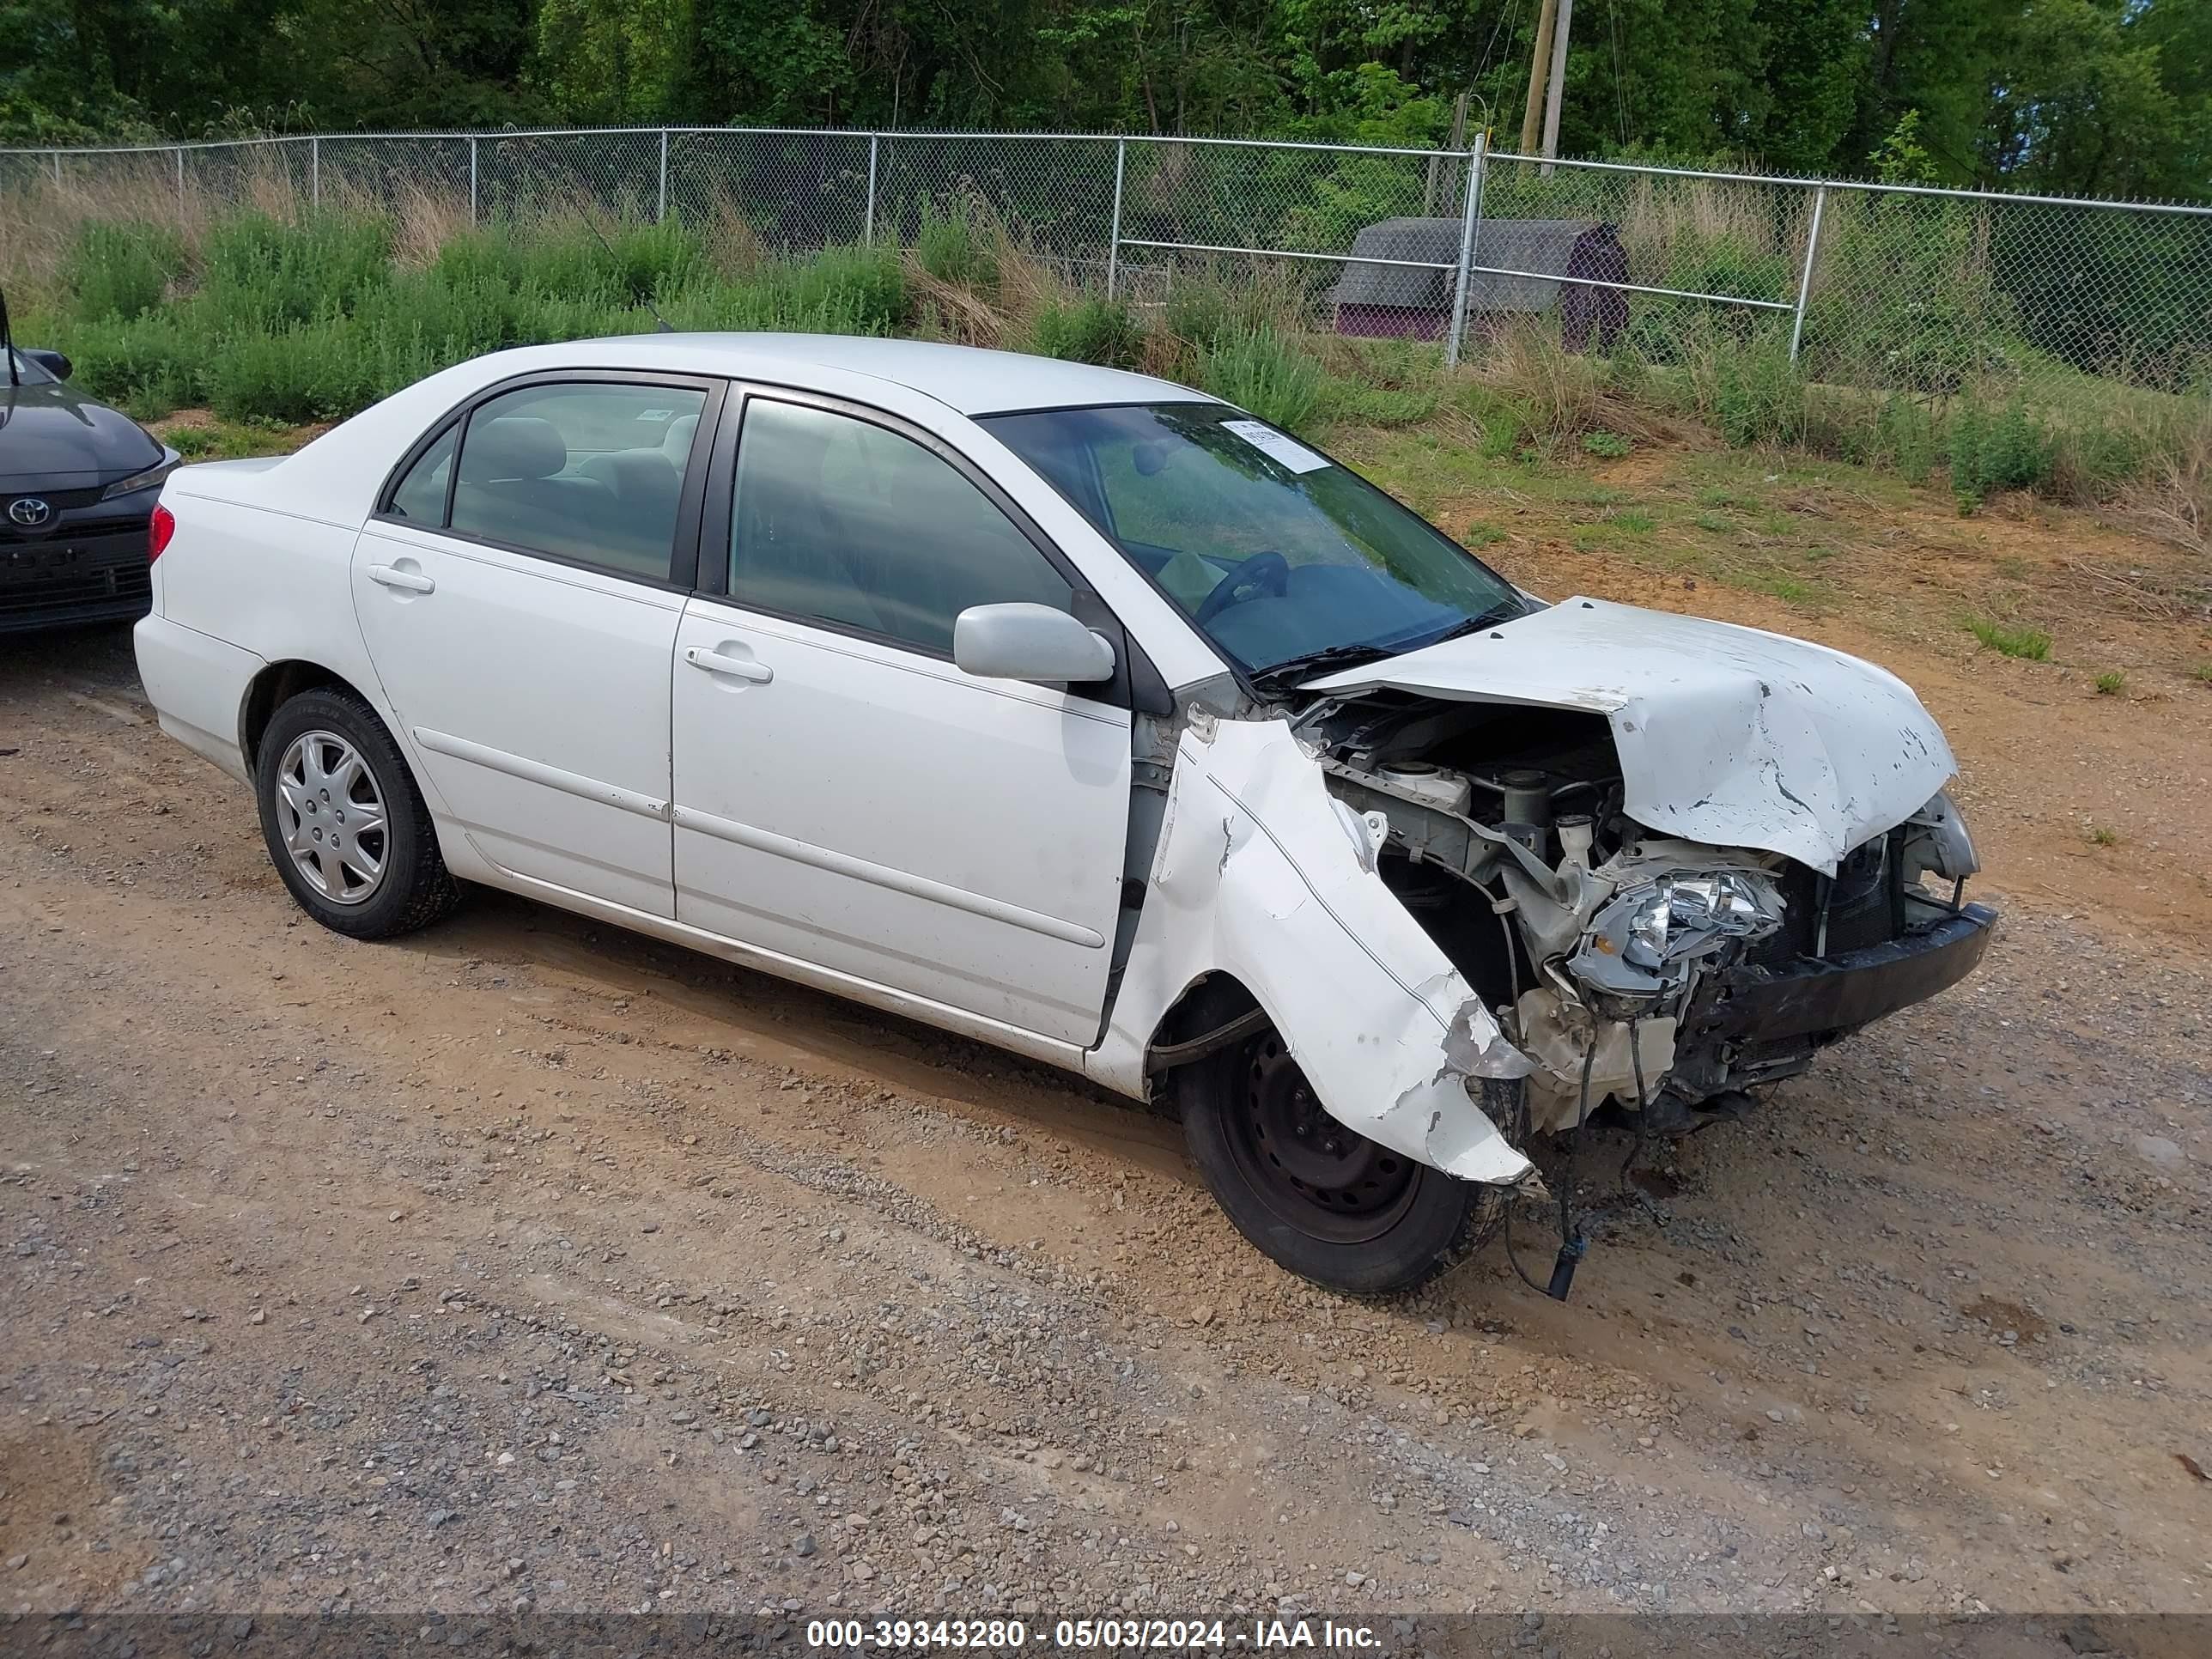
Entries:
{"x":1607,"y":951}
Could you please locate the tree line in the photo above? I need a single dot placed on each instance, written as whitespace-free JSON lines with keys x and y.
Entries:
{"x":2099,"y":97}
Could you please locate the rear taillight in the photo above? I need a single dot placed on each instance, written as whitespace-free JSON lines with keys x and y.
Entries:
{"x":159,"y":529}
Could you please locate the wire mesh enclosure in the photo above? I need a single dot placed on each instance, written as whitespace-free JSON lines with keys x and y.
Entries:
{"x":1885,"y":286}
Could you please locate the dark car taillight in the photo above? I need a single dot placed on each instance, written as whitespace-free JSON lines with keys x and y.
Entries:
{"x":159,"y":529}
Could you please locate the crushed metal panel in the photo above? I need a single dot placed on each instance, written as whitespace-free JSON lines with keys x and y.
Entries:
{"x":1727,"y":735}
{"x":1262,"y":875}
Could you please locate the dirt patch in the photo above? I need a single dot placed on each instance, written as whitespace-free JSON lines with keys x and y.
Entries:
{"x":2008,"y":1316}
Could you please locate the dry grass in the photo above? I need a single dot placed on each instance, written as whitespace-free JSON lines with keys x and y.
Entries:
{"x":422,"y":223}
{"x":733,"y":246}
{"x":2174,"y":503}
{"x":1560,"y":396}
{"x":953,"y":310}
{"x":1661,"y":215}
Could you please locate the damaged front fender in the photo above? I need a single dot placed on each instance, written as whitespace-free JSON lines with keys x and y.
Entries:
{"x":1261,"y":874}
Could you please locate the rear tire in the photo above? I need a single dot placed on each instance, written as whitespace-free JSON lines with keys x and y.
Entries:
{"x":345,"y":825}
{"x":1314,"y":1196}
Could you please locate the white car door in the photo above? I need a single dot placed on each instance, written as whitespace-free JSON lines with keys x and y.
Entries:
{"x":844,"y":795}
{"x":520,"y":610}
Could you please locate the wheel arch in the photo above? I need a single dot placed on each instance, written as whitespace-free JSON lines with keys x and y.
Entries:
{"x":1208,"y":1003}
{"x":274,"y":686}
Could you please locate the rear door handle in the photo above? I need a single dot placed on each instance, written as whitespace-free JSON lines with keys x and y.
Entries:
{"x":414,"y":581}
{"x":742,"y":668}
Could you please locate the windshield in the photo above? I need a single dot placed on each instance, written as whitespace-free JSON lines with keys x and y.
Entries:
{"x":1280,"y":555}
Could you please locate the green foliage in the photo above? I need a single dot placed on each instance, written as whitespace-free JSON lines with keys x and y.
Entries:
{"x":1204,"y":311}
{"x":1751,"y":395}
{"x":951,"y":246}
{"x":2028,"y":644}
{"x":1088,"y":330}
{"x":2111,"y":681}
{"x":262,"y":272}
{"x":1607,"y":446}
{"x":1361,"y":403}
{"x":123,"y":269}
{"x":1901,"y":158}
{"x":2007,"y":450}
{"x":1264,"y":372}
{"x":300,"y":371}
{"x":841,"y":290}
{"x":146,"y":365}
{"x":2072,"y":95}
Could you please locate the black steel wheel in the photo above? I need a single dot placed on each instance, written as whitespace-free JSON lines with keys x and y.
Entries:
{"x":1314,"y":1195}
{"x":1302,"y":1164}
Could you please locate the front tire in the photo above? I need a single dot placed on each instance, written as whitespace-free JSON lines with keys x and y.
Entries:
{"x":346,"y":826}
{"x":1318,"y":1198}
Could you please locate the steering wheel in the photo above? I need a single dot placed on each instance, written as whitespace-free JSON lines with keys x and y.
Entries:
{"x":1263,"y":572}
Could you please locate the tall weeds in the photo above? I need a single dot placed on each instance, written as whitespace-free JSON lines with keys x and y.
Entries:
{"x":291,"y":308}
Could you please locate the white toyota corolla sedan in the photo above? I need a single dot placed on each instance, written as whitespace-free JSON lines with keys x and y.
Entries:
{"x":1081,"y":714}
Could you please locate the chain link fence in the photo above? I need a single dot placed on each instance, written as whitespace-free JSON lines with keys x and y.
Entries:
{"x":1885,"y":286}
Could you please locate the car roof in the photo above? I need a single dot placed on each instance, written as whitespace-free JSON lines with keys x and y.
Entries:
{"x":969,"y":379}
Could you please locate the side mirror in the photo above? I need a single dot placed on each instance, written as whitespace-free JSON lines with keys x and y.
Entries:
{"x":1032,"y":642}
{"x":52,"y":361}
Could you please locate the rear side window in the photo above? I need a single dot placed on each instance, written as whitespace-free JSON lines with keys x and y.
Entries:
{"x":839,"y":520}
{"x":591,"y":473}
{"x":420,"y":497}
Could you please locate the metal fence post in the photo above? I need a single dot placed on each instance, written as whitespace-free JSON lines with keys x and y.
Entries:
{"x":1114,"y":230}
{"x":1805,"y":277}
{"x":472,"y":178}
{"x":661,"y":212}
{"x":57,"y":169}
{"x":315,"y":173}
{"x":180,"y":184}
{"x":1478,"y":164}
{"x":868,"y":212}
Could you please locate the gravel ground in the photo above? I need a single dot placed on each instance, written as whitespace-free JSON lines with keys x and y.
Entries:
{"x":527,"y":1264}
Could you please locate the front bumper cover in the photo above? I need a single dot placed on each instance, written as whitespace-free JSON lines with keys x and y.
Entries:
{"x":1816,"y":1000}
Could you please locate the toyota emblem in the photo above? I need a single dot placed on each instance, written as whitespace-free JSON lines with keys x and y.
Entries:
{"x":29,"y":512}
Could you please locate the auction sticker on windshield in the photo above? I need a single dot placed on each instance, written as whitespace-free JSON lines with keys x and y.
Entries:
{"x":1273,"y":444}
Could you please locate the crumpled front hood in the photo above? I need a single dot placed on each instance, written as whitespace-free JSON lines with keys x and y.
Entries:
{"x":1727,"y":735}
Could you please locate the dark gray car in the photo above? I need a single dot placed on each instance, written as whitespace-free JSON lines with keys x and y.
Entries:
{"x":78,"y":482}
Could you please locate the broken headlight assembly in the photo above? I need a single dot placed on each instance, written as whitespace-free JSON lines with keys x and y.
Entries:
{"x":1644,"y":942}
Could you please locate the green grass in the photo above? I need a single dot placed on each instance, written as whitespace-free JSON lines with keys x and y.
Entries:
{"x":1791,"y":590}
{"x":2103,"y":834}
{"x":1087,"y":329}
{"x":2111,"y":683}
{"x":313,"y":315}
{"x":2028,"y":644}
{"x":2202,"y":674}
{"x":1267,"y":373}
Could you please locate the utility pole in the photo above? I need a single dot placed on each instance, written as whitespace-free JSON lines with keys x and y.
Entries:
{"x":1538,"y":63}
{"x":1457,"y":142}
{"x":1559,"y":82}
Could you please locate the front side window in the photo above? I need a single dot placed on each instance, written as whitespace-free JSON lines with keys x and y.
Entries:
{"x":590,"y":473}
{"x":1282,"y":558}
{"x":841,"y":521}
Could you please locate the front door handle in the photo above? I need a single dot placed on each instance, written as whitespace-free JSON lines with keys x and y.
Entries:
{"x":413,"y":582}
{"x":714,"y":662}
